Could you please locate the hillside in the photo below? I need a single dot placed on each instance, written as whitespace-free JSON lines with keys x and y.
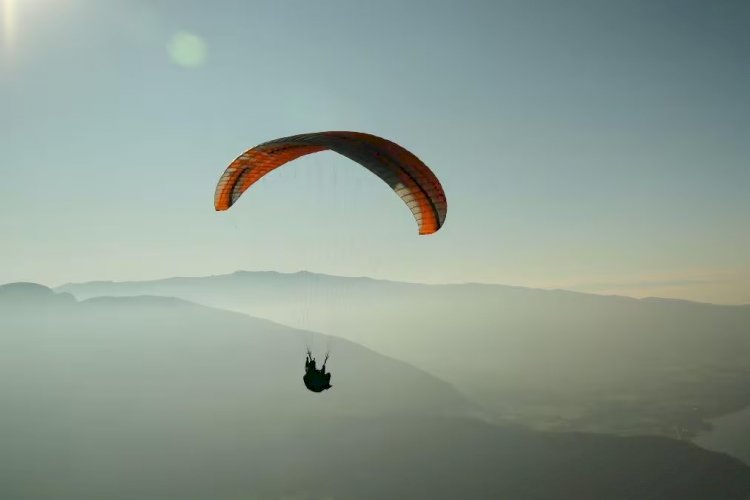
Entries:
{"x":158,"y":399}
{"x":552,"y":358}
{"x":159,"y":352}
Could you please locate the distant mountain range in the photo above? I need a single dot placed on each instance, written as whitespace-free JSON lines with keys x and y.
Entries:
{"x":552,"y":358}
{"x":159,"y":398}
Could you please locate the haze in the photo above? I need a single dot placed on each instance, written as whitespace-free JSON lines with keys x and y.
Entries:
{"x":579,"y":328}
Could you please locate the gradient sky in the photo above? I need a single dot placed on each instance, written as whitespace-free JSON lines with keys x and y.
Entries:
{"x":594,"y":145}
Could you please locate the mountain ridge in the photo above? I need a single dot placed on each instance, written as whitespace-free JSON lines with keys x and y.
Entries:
{"x":304,"y":273}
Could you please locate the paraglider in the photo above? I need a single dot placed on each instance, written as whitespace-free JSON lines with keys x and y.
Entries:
{"x":411,"y":179}
{"x":316,"y":380}
{"x":407,"y":176}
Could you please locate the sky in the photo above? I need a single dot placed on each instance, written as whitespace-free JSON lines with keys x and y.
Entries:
{"x":598,"y":146}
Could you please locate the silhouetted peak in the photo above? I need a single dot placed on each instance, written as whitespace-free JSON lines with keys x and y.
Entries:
{"x":25,"y":289}
{"x":30,"y":292}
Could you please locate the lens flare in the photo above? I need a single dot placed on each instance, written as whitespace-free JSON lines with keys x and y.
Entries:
{"x":187,"y":50}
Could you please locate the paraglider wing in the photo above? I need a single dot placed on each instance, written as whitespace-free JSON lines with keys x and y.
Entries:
{"x":411,"y":179}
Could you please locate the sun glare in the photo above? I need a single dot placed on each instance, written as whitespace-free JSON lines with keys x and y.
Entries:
{"x":9,"y":23}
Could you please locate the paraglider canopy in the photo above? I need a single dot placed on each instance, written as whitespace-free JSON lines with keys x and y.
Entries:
{"x":411,"y":179}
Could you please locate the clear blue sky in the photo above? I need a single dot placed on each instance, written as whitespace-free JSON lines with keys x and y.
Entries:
{"x":595,"y":145}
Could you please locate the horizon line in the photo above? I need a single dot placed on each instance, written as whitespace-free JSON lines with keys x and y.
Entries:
{"x":386,"y":280}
